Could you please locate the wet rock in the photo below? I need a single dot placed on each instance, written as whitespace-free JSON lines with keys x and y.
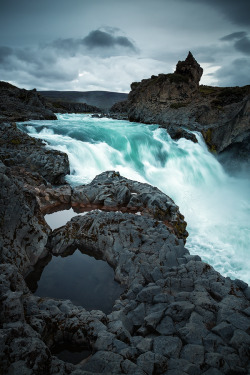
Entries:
{"x":193,"y":333}
{"x":169,"y":346}
{"x":166,"y":326}
{"x":110,"y":191}
{"x":177,"y":132}
{"x":24,"y":232}
{"x":224,"y":330}
{"x":104,"y":362}
{"x":22,"y":349}
{"x":193,"y":353}
{"x":18,"y":149}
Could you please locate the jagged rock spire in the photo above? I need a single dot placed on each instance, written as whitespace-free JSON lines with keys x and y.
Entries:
{"x":190,"y":68}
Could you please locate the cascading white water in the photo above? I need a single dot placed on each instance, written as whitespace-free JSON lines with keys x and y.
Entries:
{"x":216,"y":206}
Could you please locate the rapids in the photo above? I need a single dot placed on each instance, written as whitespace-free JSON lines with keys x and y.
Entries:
{"x":216,"y":206}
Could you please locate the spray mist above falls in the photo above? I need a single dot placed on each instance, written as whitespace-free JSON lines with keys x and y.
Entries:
{"x":215,"y":205}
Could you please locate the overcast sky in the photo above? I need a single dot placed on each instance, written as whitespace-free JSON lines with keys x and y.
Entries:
{"x":107,"y":44}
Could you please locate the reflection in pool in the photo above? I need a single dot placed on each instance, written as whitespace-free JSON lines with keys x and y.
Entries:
{"x":60,"y":218}
{"x":81,"y":278}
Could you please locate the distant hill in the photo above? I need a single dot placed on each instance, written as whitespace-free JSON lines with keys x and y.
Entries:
{"x":100,"y":99}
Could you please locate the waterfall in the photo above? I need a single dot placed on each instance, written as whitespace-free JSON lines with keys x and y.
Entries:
{"x":215,"y":205}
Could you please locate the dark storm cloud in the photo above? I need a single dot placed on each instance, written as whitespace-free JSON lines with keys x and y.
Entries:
{"x":233,"y":36}
{"x":236,"y":73}
{"x":103,"y":39}
{"x":243,"y":45}
{"x":236,"y":11}
{"x":97,"y":41}
{"x":241,"y":41}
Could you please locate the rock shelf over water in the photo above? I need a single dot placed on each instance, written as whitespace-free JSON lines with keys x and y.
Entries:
{"x":177,"y":315}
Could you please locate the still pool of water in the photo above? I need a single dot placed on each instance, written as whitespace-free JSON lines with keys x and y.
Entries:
{"x":60,"y":218}
{"x":84,"y":280}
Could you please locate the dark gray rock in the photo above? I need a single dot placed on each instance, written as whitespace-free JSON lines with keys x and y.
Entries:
{"x":193,"y":353}
{"x":21,"y":105}
{"x":169,"y":346}
{"x":110,"y":191}
{"x":193,"y":333}
{"x":213,"y":371}
{"x":19,"y":150}
{"x":147,"y":294}
{"x":104,"y":362}
{"x":224,"y":330}
{"x":166,"y":326}
{"x":24,"y":232}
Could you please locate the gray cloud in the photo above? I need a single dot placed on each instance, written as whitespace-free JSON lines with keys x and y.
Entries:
{"x":98,"y":38}
{"x":5,"y":52}
{"x":233,"y":36}
{"x":241,"y":41}
{"x":236,"y":73}
{"x":243,"y":45}
{"x":69,"y":45}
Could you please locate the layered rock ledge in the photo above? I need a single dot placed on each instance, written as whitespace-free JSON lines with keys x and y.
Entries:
{"x":177,"y":315}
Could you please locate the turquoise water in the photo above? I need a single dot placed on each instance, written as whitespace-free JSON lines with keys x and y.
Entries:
{"x":216,"y":206}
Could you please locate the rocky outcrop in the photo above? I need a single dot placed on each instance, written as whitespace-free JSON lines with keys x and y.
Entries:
{"x":23,"y":231}
{"x":119,"y":111}
{"x":21,"y":105}
{"x":177,"y":102}
{"x":191,"y":70}
{"x":111,"y":192}
{"x":162,"y":98}
{"x":18,"y":149}
{"x":25,"y":164}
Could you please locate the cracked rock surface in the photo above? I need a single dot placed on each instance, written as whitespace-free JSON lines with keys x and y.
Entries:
{"x":176,"y":316}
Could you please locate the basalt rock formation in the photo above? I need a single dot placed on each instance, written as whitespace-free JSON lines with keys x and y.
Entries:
{"x":176,"y":316}
{"x":21,"y":105}
{"x":19,"y":150}
{"x":177,"y":102}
